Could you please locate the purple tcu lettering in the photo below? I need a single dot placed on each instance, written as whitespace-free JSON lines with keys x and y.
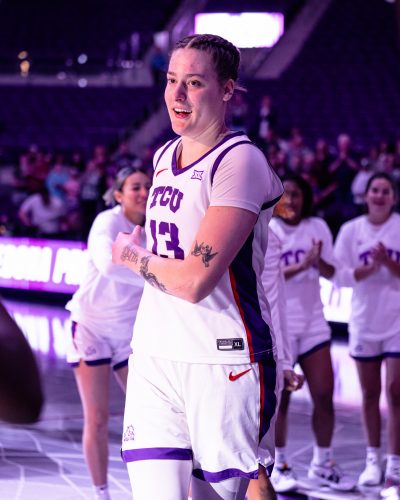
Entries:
{"x":167,"y":196}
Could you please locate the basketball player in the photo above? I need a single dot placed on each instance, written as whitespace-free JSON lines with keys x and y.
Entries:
{"x":202,"y":383}
{"x":273,"y":282}
{"x":369,"y":249}
{"x":307,"y":254}
{"x":103,"y":311}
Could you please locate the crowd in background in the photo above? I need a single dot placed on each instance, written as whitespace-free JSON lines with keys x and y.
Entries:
{"x":57,"y":195}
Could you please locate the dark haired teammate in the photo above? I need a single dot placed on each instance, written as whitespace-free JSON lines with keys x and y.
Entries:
{"x":307,"y":254}
{"x":202,"y":385}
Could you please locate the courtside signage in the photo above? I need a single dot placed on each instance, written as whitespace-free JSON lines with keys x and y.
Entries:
{"x":42,"y":265}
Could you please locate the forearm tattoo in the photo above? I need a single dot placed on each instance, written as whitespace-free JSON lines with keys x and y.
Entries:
{"x":130,"y":254}
{"x":148,"y":276}
{"x":205,"y":252}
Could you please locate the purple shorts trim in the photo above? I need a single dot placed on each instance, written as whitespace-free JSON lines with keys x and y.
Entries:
{"x":216,"y":477}
{"x":378,"y":357}
{"x":121,"y":364}
{"x":97,"y":362}
{"x":314,"y":349}
{"x":157,"y":454}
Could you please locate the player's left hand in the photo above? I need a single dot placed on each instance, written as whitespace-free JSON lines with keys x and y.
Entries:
{"x":125,"y":246}
{"x":292,"y":380}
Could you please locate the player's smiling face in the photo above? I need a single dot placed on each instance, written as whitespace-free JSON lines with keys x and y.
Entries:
{"x":380,"y":198}
{"x":133,"y":196}
{"x":293,"y":201}
{"x":194,"y":97}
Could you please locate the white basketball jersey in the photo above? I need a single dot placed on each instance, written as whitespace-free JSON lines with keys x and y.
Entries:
{"x":303,"y":296}
{"x":375,"y":302}
{"x":230,"y":325}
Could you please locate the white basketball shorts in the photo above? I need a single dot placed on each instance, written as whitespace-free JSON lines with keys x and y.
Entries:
{"x":221,"y":417}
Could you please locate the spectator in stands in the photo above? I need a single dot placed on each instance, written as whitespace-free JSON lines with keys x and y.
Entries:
{"x":277,"y":159}
{"x":93,"y":184}
{"x":266,"y":120}
{"x":359,"y":185}
{"x":41,"y":214}
{"x":368,"y":248}
{"x":237,"y":113}
{"x":72,"y":221}
{"x":296,"y":150}
{"x":123,"y":157}
{"x":397,"y":154}
{"x":342,"y":170}
{"x":59,"y":174}
{"x":77,"y":160}
{"x":158,"y":66}
{"x":323,"y":159}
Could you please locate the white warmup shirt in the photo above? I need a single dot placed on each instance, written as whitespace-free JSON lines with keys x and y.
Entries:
{"x":274,"y":285}
{"x":303,"y":297}
{"x":109,"y":294}
{"x":375,"y":306}
{"x":232,"y":324}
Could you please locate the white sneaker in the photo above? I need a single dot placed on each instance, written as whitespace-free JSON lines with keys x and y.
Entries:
{"x":283,"y":479}
{"x":391,"y":488}
{"x":372,"y":474}
{"x":329,"y":474}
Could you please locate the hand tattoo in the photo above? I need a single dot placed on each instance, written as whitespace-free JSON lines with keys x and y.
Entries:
{"x":130,"y":254}
{"x":148,"y":276}
{"x":205,"y":252}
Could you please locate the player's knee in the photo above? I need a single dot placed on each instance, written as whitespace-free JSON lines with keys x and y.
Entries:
{"x":97,"y":422}
{"x":393,"y":392}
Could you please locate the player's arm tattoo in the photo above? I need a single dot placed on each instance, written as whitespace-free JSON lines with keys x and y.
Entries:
{"x":148,"y":276}
{"x":130,"y":254}
{"x":204,"y":251}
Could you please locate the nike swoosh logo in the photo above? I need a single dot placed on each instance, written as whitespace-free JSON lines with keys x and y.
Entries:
{"x":233,"y":377}
{"x":162,"y":170}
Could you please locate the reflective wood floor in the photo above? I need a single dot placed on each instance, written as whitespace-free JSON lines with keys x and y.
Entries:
{"x":45,"y":461}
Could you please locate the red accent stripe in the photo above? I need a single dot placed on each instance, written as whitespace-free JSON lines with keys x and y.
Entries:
{"x":162,"y":170}
{"x":262,"y":392}
{"x":237,"y":300}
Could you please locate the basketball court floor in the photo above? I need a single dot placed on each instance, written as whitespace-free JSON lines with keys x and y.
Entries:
{"x":44,"y":461}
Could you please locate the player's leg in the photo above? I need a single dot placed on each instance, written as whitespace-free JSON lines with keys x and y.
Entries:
{"x":283,"y":476}
{"x":317,"y":369}
{"x":369,"y":374}
{"x":228,"y":449}
{"x":160,"y":479}
{"x":261,"y":488}
{"x":121,"y":375}
{"x":155,"y":443}
{"x":393,"y":399}
{"x":229,"y":489}
{"x":392,"y":473}
{"x":93,"y":387}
